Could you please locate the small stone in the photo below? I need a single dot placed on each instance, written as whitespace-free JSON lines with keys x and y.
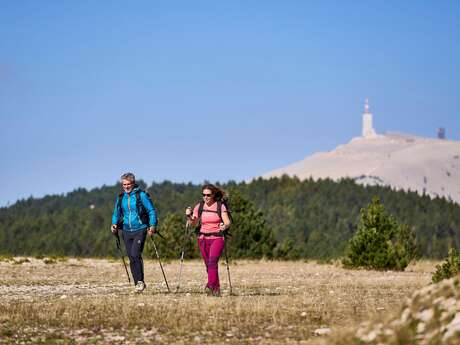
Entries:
{"x":322,"y":331}
{"x":303,"y":314}
{"x":388,"y":332}
{"x":421,"y":327}
{"x":117,"y":338}
{"x":63,"y":297}
{"x":425,"y":315}
{"x":405,"y":315}
{"x":370,"y":337}
{"x":453,"y":327}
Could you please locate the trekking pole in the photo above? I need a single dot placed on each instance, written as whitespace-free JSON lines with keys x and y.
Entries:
{"x":117,"y":239}
{"x":159,"y":261}
{"x":182,"y":254}
{"x":226,"y":263}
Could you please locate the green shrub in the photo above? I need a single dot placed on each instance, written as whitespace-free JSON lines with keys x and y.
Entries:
{"x":380,"y":242}
{"x":449,"y":267}
{"x":20,"y":261}
{"x":6,"y":258}
{"x":49,"y":261}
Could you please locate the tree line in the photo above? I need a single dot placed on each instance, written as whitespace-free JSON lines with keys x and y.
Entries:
{"x":274,"y":218}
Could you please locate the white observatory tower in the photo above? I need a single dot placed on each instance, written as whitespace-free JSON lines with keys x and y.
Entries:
{"x":368,"y":130}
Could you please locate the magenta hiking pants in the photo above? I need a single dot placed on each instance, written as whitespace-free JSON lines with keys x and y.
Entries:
{"x":211,"y":249}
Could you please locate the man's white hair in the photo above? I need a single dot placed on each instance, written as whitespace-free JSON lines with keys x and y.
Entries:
{"x":128,"y":176}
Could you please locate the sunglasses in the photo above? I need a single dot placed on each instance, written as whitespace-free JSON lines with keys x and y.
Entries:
{"x":207,"y":194}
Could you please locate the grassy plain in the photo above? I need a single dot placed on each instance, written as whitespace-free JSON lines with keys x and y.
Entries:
{"x":89,"y":301}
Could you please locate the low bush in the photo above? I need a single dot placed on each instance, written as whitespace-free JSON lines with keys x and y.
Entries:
{"x":448,"y":268}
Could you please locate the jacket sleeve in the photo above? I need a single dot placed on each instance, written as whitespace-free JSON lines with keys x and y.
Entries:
{"x":153,"y":221}
{"x":116,"y":213}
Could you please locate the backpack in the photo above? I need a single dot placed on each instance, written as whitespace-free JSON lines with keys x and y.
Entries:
{"x":141,"y":211}
{"x":221,"y":202}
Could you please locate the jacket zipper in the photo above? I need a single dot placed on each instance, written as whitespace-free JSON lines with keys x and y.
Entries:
{"x":129,"y":210}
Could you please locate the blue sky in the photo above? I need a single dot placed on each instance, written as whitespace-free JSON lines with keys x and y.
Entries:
{"x":195,"y":90}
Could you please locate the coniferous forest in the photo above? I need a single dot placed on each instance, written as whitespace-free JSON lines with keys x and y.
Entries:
{"x":280,"y":218}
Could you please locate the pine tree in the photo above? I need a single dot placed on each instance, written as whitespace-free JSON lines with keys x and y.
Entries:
{"x":380,"y":243}
{"x":250,"y":236}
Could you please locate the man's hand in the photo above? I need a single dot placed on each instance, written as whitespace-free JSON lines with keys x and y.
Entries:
{"x":114,"y":228}
{"x":151,"y":230}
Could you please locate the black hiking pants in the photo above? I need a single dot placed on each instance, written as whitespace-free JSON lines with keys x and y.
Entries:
{"x":134,"y":244}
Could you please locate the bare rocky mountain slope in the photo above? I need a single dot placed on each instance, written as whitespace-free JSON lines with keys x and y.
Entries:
{"x":402,"y":161}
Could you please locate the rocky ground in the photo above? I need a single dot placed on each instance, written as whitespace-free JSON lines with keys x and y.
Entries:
{"x":430,"y":316}
{"x":89,"y":301}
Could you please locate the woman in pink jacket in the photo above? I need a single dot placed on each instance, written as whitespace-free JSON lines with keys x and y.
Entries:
{"x":214,"y":220}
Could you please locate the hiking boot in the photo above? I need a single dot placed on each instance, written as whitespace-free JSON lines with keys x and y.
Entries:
{"x":208,"y":291}
{"x":140,"y":286}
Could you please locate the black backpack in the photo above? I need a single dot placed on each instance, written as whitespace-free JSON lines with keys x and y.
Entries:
{"x":221,"y":202}
{"x":141,"y":211}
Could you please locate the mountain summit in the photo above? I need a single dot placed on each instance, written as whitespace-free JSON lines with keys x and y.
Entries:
{"x":402,"y":161}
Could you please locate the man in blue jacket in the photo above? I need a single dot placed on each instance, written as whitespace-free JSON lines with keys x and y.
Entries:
{"x":135,"y":215}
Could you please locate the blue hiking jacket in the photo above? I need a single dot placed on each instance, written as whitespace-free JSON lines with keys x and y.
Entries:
{"x":131,"y":218}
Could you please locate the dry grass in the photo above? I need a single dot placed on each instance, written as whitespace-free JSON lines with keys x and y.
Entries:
{"x":89,"y":301}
